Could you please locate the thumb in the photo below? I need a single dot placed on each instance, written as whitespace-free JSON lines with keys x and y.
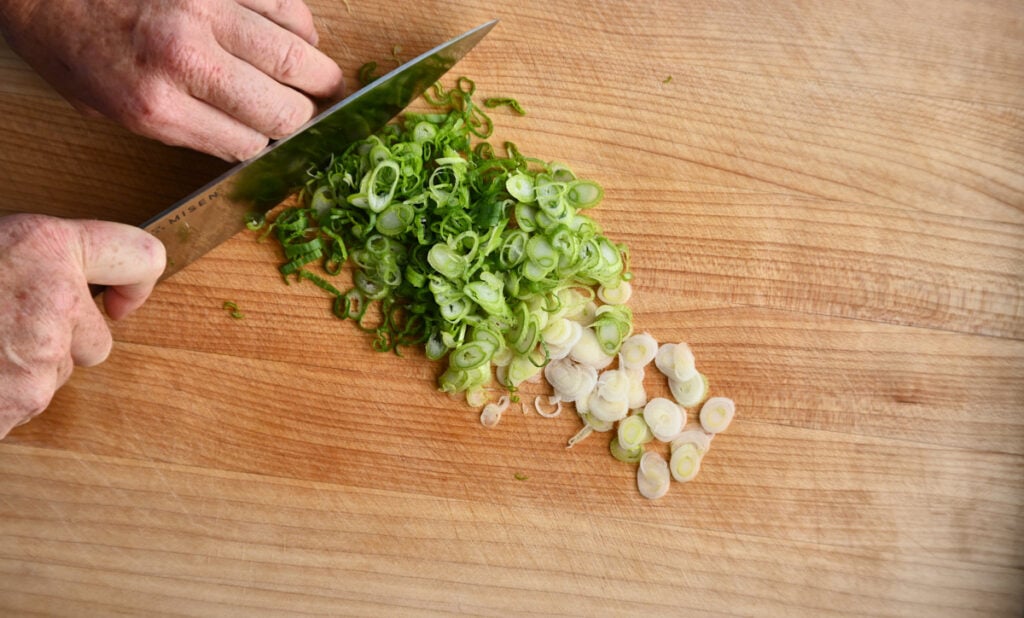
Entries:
{"x":125,"y":258}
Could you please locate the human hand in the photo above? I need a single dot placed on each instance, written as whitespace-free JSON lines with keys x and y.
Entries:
{"x":48,"y":320}
{"x":220,"y":76}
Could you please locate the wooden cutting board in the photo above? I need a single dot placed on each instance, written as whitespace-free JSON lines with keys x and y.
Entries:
{"x":825,"y":199}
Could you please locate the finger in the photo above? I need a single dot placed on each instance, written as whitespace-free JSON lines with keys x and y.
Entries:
{"x":244,"y":92}
{"x":91,"y":340}
{"x":293,"y":15}
{"x":125,"y":258}
{"x":280,"y":54}
{"x":182,"y":120}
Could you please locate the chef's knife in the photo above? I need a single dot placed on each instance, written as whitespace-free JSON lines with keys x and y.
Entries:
{"x":216,"y":212}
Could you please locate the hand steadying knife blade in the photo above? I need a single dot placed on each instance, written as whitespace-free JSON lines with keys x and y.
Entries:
{"x":216,"y":212}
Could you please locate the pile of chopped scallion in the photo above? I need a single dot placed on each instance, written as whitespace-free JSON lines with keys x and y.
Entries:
{"x":489,"y":262}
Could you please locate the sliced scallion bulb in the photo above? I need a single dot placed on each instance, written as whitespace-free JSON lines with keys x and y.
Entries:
{"x":676,"y":361}
{"x":588,"y":351}
{"x":637,"y":392}
{"x":685,"y":462}
{"x":571,"y":381}
{"x":608,"y":410}
{"x":694,"y":434}
{"x":520,"y":186}
{"x":637,"y":351}
{"x":625,"y":454}
{"x":555,"y":401}
{"x":716,"y":414}
{"x":633,"y":431}
{"x":653,"y":476}
{"x":691,"y":392}
{"x":492,"y":412}
{"x":618,"y":295}
{"x":476,"y":397}
{"x":665,"y":418}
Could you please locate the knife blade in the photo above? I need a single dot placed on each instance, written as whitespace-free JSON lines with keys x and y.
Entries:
{"x":216,"y":212}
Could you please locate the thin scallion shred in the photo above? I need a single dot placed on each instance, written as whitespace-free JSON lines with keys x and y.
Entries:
{"x":465,"y":252}
{"x":505,"y":101}
{"x":366,"y":75}
{"x":232,"y":308}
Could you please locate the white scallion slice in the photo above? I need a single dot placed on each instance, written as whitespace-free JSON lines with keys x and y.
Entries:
{"x":476,"y":397}
{"x":597,"y":424}
{"x":653,"y":476}
{"x":492,"y":412}
{"x":555,"y":401}
{"x":684,"y":365}
{"x":694,"y":434}
{"x":608,"y":410}
{"x":685,"y":462}
{"x":520,"y":186}
{"x":716,"y":414}
{"x":585,"y":313}
{"x":664,"y":359}
{"x":637,"y":392}
{"x":503,"y":357}
{"x":561,"y":336}
{"x":588,"y":351}
{"x":637,"y":351}
{"x":521,"y":369}
{"x":618,"y":295}
{"x":610,"y":400}
{"x":691,"y":392}
{"x":625,"y":454}
{"x":665,"y":418}
{"x":613,"y":385}
{"x":676,"y":361}
{"x":570,"y":380}
{"x":633,"y":432}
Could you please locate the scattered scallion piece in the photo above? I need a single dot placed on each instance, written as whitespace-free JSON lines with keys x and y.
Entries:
{"x":618,"y":295}
{"x":653,"y":476}
{"x":637,"y":351}
{"x":665,"y":418}
{"x":689,"y":393}
{"x":685,"y":462}
{"x":499,"y":101}
{"x":232,"y":308}
{"x":633,"y":431}
{"x":624,"y":453}
{"x":492,"y":412}
{"x":676,"y":361}
{"x":716,"y":414}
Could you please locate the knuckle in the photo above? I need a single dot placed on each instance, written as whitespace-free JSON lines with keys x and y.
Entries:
{"x":37,"y":234}
{"x":248,"y":150}
{"x":288,"y":119}
{"x":64,"y":296}
{"x":144,"y":109}
{"x":35,"y":397}
{"x":295,"y":8}
{"x":290,"y":62}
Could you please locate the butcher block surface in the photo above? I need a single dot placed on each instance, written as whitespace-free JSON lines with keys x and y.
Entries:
{"x":824,"y":199}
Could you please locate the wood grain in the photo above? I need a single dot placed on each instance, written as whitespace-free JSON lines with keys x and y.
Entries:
{"x":826,"y":200}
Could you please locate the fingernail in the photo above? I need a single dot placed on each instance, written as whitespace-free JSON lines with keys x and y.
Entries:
{"x":314,"y":39}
